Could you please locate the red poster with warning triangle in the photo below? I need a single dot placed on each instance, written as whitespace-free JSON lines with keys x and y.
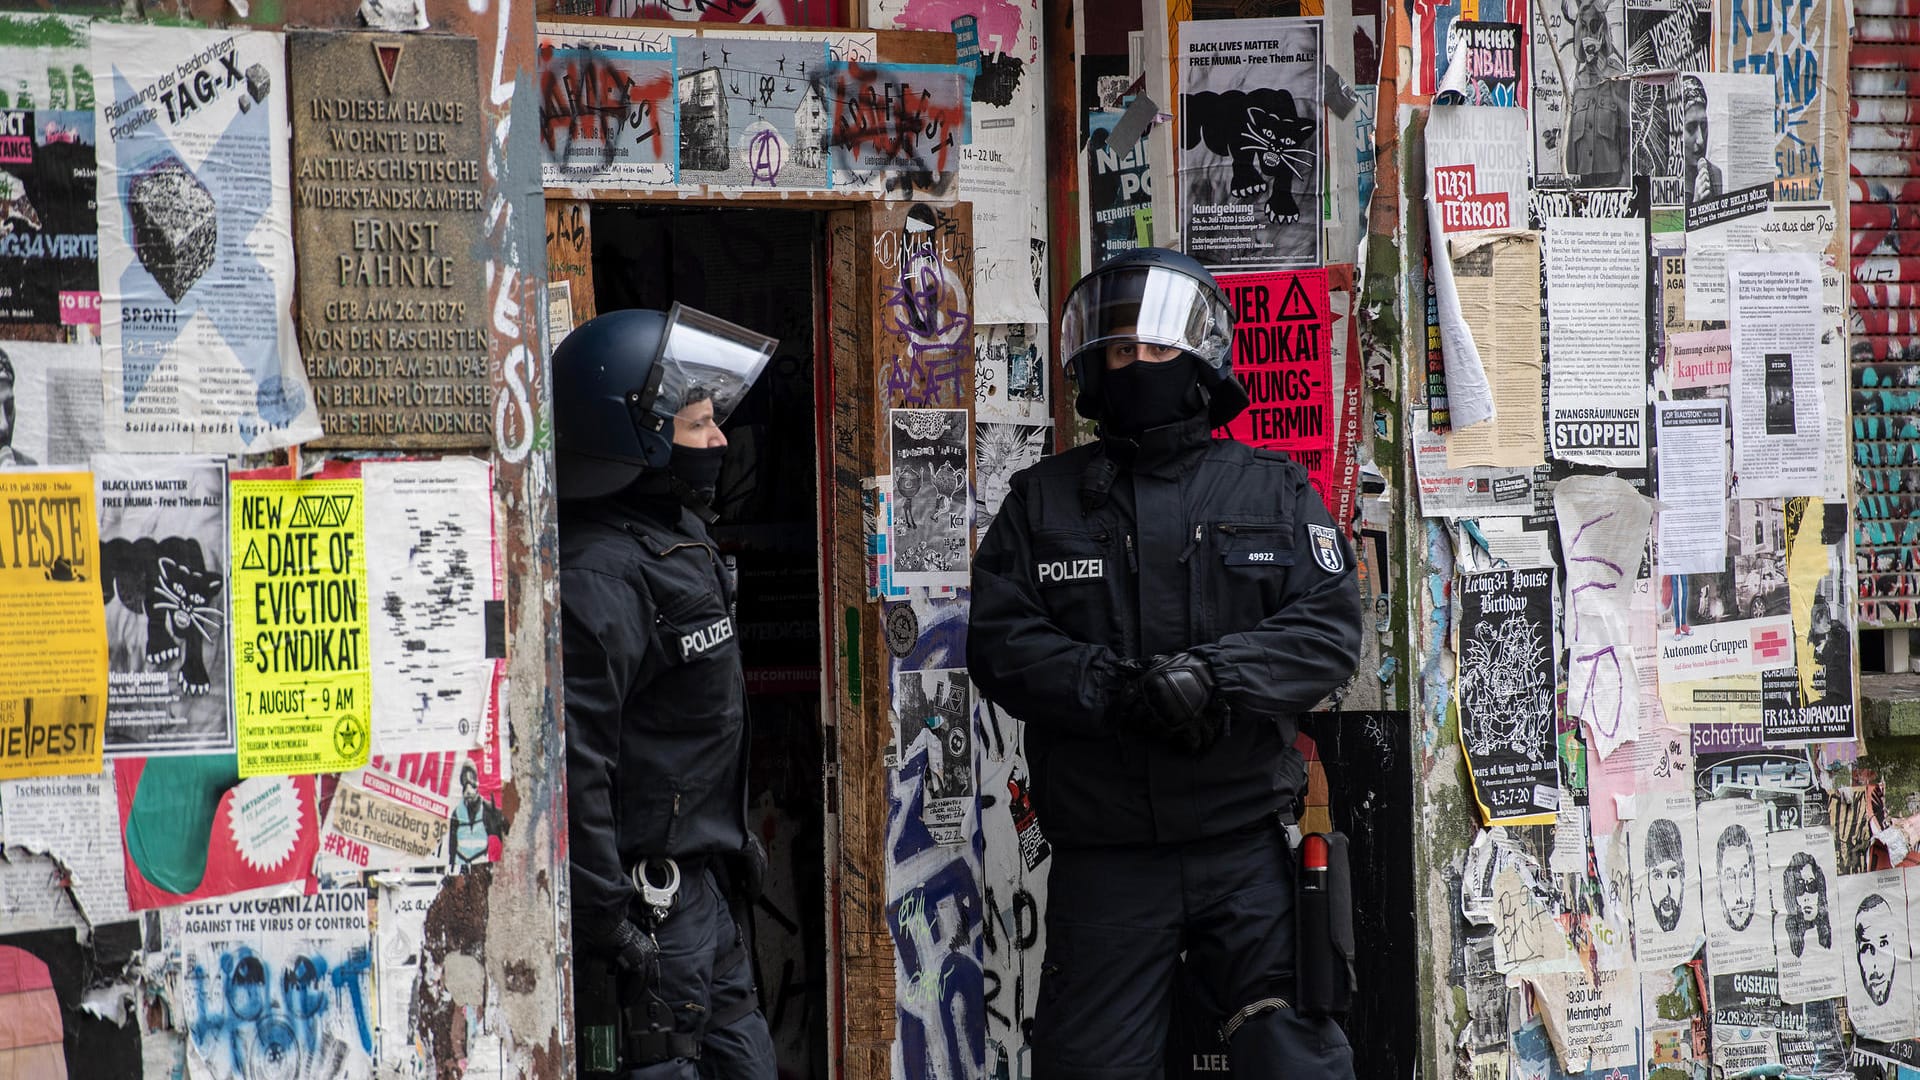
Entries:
{"x":1283,"y":355}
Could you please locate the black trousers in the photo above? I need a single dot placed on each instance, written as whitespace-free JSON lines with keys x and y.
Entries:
{"x":706,"y":975}
{"x":1118,"y":920}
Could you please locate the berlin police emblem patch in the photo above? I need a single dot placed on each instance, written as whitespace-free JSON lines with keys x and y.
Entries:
{"x":1326,"y":548}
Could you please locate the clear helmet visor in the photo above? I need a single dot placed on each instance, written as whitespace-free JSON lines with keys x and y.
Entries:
{"x":1149,"y":304}
{"x":705,"y":358}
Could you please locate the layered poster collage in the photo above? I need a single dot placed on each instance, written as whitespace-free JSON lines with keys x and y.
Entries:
{"x":247,"y":688}
{"x":1633,"y":429}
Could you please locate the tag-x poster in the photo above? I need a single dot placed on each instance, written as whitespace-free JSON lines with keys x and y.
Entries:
{"x":196,"y":242}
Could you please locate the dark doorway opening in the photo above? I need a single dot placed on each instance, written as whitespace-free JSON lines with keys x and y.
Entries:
{"x":761,"y":269}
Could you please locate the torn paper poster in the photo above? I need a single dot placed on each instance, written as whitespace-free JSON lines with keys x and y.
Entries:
{"x":1699,"y":358}
{"x":163,"y":553}
{"x":56,"y":403}
{"x":929,"y":527}
{"x":1470,"y":492}
{"x":1813,"y":700}
{"x":1736,"y":901}
{"x":1486,"y":63}
{"x":1728,"y":176}
{"x":430,"y":577}
{"x":1611,"y":927}
{"x":1659,"y":761}
{"x":1569,"y":852}
{"x":369,"y":828}
{"x":49,"y":270}
{"x":1596,"y":275}
{"x":1810,"y":227}
{"x":1580,"y":99}
{"x":194,"y":830}
{"x":1251,"y":168}
{"x":1496,"y":278}
{"x":1486,"y":995}
{"x":1477,"y":170}
{"x":1506,"y":679}
{"x":637,"y":148}
{"x":1664,"y":37}
{"x":1010,"y":375}
{"x":1003,"y":450}
{"x":1806,"y":52}
{"x":196,"y":242}
{"x":33,"y":895}
{"x":1603,"y":526}
{"x":1726,"y":628}
{"x":1779,"y":425}
{"x":1667,"y":927}
{"x":1592,"y":1020}
{"x":1528,"y":935}
{"x":1874,"y":924}
{"x":73,"y":820}
{"x":1809,"y":943}
{"x":302,"y":683}
{"x":293,"y":974}
{"x":398,"y":955}
{"x":932,"y":712}
{"x":394,"y":15}
{"x":53,"y":665}
{"x":1692,"y":467}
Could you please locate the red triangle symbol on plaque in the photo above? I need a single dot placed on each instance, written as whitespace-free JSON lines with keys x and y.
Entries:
{"x":387,"y":54}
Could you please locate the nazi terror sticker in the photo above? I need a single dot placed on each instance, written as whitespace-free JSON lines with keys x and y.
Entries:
{"x":1326,"y":548}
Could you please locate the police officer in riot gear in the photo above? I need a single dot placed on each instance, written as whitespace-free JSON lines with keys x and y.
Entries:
{"x":1158,"y":606}
{"x":655,"y":698}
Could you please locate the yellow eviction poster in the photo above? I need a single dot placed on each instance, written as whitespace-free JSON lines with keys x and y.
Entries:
{"x":302,"y":680}
{"x":53,"y":642}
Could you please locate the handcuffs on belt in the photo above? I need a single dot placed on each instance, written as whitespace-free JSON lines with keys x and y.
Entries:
{"x":657,"y":898}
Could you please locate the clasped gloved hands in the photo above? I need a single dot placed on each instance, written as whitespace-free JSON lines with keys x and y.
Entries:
{"x":632,"y":949}
{"x":1171,"y":698}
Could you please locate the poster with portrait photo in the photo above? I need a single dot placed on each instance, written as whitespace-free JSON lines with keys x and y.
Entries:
{"x":163,"y":563}
{"x":1663,"y":849}
{"x":929,"y":530}
{"x":1736,"y":902}
{"x":1581,"y":122}
{"x":1002,"y":450}
{"x":1663,"y":36}
{"x":1251,"y":133}
{"x":1871,"y":910}
{"x":1806,"y":942}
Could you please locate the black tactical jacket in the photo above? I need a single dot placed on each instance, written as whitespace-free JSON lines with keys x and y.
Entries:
{"x":655,"y":697}
{"x":1200,"y":543}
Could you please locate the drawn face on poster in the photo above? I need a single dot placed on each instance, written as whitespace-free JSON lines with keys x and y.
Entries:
{"x":1879,"y":962}
{"x":1250,"y":162}
{"x":1804,"y":885}
{"x":1667,"y":923}
{"x":1003,"y":450}
{"x":1738,"y":905}
{"x":1735,"y":868}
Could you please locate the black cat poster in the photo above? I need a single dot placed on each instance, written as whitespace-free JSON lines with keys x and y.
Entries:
{"x":163,"y":563}
{"x":1252,"y":139}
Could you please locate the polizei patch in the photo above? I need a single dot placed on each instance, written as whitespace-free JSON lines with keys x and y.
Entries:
{"x":703,"y":640}
{"x":1062,"y":571}
{"x":1326,"y":548}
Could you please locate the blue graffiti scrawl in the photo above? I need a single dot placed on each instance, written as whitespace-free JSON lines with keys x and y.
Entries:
{"x":280,"y":989}
{"x":934,"y":912}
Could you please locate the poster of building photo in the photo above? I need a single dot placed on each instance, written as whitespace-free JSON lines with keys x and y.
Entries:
{"x":1251,"y":137}
{"x":928,"y":532}
{"x":752,"y":112}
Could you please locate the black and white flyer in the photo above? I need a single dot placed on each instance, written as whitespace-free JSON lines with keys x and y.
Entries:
{"x":933,"y":712}
{"x":1808,"y":940}
{"x":196,"y":242}
{"x":163,"y":554}
{"x":1004,"y":449}
{"x":1664,"y":36}
{"x":1667,"y":928}
{"x":931,"y":506}
{"x":1507,"y":678}
{"x":1251,"y":142}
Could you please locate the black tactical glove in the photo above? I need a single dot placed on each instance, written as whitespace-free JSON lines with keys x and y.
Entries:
{"x":1172,"y":699}
{"x":632,"y":949}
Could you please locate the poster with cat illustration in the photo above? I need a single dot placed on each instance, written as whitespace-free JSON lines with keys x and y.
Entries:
{"x":163,"y":555}
{"x":1252,"y":135}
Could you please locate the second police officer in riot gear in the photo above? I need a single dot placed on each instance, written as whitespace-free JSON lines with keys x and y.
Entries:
{"x":655,"y":698}
{"x":1158,"y":606}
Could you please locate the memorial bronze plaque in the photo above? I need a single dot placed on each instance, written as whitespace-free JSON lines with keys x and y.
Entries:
{"x":388,"y":221}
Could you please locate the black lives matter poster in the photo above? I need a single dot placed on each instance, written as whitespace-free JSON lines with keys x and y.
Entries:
{"x":1283,"y":355}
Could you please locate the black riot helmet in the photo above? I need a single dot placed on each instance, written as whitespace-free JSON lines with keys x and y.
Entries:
{"x":1159,"y":297}
{"x":619,"y":379}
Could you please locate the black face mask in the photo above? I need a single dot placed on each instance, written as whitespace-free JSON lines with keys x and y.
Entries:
{"x":698,"y":468}
{"x":1143,"y":396}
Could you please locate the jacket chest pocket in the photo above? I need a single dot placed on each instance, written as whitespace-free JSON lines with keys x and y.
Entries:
{"x":1077,"y":575}
{"x":1245,"y":572}
{"x":701,"y":632}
